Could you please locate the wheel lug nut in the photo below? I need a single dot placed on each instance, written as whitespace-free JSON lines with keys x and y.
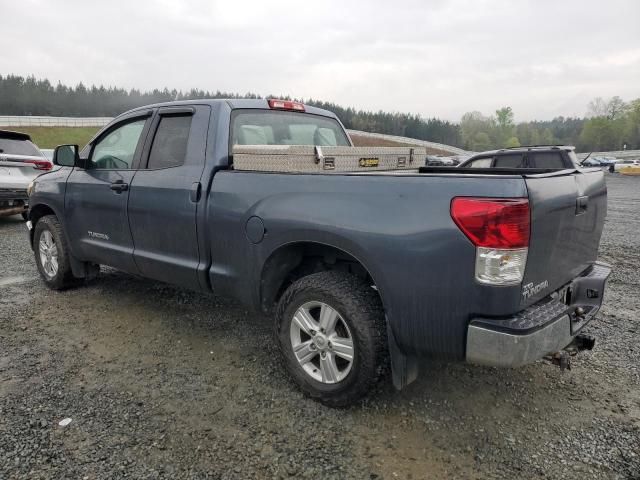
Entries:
{"x":312,"y":332}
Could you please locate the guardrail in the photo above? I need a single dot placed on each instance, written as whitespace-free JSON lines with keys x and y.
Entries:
{"x":42,"y":121}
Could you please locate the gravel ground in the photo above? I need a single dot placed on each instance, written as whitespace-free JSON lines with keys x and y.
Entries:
{"x":165,"y":383}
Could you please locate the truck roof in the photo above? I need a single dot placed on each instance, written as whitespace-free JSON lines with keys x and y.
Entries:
{"x":524,"y":148}
{"x":234,"y":103}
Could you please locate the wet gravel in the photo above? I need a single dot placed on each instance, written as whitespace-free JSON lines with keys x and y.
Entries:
{"x":165,"y":383}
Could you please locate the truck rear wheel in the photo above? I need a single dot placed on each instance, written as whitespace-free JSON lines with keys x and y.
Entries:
{"x":331,"y":333}
{"x":52,"y":254}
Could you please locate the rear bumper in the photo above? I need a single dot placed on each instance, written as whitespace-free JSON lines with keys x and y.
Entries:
{"x":13,"y":194}
{"x":544,"y":328}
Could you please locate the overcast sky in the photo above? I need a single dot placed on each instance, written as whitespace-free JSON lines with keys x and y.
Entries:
{"x":436,"y":58}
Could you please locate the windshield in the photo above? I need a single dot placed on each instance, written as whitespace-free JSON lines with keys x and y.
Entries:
{"x":18,"y":147}
{"x":269,"y":127}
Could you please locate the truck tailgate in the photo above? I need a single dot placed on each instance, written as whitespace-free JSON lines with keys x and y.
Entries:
{"x":567,"y":217}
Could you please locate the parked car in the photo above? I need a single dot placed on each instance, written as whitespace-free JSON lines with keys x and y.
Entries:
{"x":623,"y":164}
{"x":20,"y":162}
{"x":435,"y":161}
{"x":591,"y":162}
{"x":359,"y":258}
{"x":534,"y":157}
{"x":449,"y":161}
{"x":606,"y":161}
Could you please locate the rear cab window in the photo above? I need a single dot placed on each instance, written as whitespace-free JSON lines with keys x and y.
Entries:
{"x":273,"y":127}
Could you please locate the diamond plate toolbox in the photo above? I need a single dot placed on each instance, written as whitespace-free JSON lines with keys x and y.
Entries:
{"x":310,"y":159}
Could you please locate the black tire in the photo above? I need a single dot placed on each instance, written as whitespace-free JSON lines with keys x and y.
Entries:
{"x":25,"y":216}
{"x":63,"y":278}
{"x":360,"y":308}
{"x":612,"y":169}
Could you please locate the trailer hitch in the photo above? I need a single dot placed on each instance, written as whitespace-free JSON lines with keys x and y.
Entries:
{"x":563,"y":357}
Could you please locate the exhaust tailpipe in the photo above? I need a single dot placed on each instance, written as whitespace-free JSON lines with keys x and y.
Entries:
{"x":6,"y":212}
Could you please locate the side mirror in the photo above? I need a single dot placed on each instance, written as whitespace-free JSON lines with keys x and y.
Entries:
{"x":66,"y":155}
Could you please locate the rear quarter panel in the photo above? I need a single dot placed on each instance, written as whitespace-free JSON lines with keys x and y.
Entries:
{"x":398,"y":226}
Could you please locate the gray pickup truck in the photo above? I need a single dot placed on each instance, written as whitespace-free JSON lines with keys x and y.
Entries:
{"x":364,"y":268}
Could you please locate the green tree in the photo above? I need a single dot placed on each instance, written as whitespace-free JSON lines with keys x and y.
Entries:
{"x":631,"y":133}
{"x":512,"y":142}
{"x":599,"y":135}
{"x":481,"y":141}
{"x":547,"y":138}
{"x":505,"y":128}
{"x":472,"y":125}
{"x":612,"y":109}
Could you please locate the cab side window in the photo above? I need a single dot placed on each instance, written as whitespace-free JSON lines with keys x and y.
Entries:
{"x":547,"y":160}
{"x":510,"y":160}
{"x":169,"y":147}
{"x":117,"y":149}
{"x":480,"y":163}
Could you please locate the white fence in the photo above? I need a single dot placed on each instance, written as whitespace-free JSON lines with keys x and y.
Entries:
{"x":37,"y":121}
{"x":412,"y":141}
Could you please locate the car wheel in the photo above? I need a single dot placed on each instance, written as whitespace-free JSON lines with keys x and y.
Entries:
{"x":25,"y":216}
{"x":331,"y":332}
{"x":52,"y":253}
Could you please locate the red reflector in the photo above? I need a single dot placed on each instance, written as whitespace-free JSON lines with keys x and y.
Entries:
{"x":40,"y":164}
{"x":493,"y":222}
{"x":285,"y":105}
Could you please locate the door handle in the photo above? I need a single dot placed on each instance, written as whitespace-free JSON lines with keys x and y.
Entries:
{"x":119,"y":186}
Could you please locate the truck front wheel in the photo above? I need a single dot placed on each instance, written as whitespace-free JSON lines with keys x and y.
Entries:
{"x":331,"y":332}
{"x":52,"y":253}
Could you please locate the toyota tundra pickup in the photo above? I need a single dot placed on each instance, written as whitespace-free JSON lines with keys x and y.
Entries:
{"x":364,"y":258}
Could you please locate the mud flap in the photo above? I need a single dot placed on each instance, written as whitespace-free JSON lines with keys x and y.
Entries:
{"x":83,"y":269}
{"x":404,"y":369}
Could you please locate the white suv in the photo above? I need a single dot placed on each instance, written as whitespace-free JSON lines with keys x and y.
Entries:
{"x":20,"y":162}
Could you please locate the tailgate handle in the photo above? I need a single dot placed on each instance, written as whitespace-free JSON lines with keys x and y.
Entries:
{"x":581,"y":204}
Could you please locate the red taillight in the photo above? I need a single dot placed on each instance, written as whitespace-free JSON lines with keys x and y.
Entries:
{"x":285,"y":105}
{"x":45,"y":165}
{"x":493,"y":222}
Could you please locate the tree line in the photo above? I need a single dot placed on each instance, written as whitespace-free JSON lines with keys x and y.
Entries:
{"x":609,"y":125}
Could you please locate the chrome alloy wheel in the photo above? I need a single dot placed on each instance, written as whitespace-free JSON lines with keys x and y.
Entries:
{"x":48,"y":254}
{"x":322,"y":342}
